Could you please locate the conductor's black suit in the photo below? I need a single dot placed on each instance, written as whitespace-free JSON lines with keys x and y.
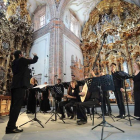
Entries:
{"x":20,"y":81}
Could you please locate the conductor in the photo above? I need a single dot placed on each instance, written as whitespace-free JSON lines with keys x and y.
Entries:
{"x":20,"y":81}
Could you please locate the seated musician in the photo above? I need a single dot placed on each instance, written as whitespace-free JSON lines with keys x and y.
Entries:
{"x":59,"y":90}
{"x":71,"y":99}
{"x":88,"y":100}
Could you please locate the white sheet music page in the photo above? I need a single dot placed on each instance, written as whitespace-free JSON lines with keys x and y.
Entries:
{"x":42,"y":86}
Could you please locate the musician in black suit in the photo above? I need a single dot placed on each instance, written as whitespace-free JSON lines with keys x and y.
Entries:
{"x":59,"y":90}
{"x":20,"y":81}
{"x":118,"y":84}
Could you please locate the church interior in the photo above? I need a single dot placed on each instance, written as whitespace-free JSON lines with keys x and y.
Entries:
{"x":68,"y":36}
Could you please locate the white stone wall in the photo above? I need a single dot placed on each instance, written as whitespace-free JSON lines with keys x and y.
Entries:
{"x":41,"y":47}
{"x":70,"y":48}
{"x":67,"y":21}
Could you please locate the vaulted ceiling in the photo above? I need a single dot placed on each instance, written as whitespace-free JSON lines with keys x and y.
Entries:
{"x":82,"y":8}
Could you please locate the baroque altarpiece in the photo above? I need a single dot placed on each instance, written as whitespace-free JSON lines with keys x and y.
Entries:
{"x":119,"y":21}
{"x":15,"y":34}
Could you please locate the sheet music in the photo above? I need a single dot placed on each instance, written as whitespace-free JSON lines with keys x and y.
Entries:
{"x":42,"y":86}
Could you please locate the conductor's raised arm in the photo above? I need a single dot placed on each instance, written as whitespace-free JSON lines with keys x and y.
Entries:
{"x":30,"y":61}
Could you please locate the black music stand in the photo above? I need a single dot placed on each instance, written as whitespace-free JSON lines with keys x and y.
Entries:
{"x":123,"y":76}
{"x":35,"y":118}
{"x":104,"y":83}
{"x":52,"y":89}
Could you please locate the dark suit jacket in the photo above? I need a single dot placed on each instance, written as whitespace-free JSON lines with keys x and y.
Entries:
{"x":118,"y":82}
{"x":21,"y":72}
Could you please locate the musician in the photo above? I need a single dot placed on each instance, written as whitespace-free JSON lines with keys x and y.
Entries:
{"x":20,"y":82}
{"x":105,"y":96}
{"x":72,"y":98}
{"x":88,"y":100}
{"x":73,"y":78}
{"x":118,"y":84}
{"x":79,"y":84}
{"x":45,"y":106}
{"x":32,"y":97}
{"x":136,"y":89}
{"x":59,"y":90}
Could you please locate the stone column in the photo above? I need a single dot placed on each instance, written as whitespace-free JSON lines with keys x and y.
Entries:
{"x":56,"y":51}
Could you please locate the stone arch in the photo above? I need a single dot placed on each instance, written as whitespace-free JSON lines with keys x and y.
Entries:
{"x":62,"y":7}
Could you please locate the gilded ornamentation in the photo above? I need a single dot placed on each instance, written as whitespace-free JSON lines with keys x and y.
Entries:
{"x":15,"y":33}
{"x":118,"y":20}
{"x":18,"y":6}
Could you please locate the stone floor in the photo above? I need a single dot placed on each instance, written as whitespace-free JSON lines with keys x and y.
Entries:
{"x":70,"y":130}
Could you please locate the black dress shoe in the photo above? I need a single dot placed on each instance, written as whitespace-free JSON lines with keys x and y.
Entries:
{"x":81,"y":122}
{"x":62,"y":117}
{"x":119,"y":116}
{"x":16,"y":130}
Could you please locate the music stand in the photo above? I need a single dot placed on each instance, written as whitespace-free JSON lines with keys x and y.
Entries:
{"x":35,"y":118}
{"x":52,"y":89}
{"x":104,"y":83}
{"x":123,"y":76}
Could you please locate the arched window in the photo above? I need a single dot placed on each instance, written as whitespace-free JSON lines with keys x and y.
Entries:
{"x":74,"y":25}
